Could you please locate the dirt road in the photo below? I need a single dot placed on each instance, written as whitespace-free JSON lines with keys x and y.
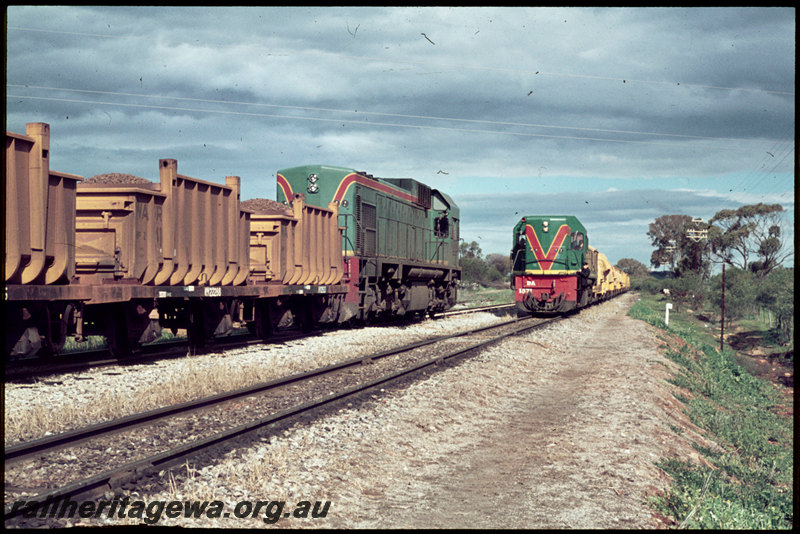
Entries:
{"x":567,"y":435}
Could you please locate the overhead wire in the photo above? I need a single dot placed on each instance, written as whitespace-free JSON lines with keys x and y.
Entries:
{"x":347,"y":121}
{"x":438,"y":65}
{"x":748,"y":181}
{"x":373,"y":113}
{"x":777,"y":153}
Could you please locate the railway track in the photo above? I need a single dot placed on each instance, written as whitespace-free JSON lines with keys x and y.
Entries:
{"x":490,"y":308}
{"x":31,"y":369}
{"x":282,"y":400}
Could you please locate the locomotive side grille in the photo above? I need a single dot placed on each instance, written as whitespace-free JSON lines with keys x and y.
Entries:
{"x":369,"y":221}
{"x":424,"y":196}
{"x":359,"y":232}
{"x":369,"y":216}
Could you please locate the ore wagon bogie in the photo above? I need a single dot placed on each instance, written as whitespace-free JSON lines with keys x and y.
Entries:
{"x":127,"y":258}
{"x":554,"y":270}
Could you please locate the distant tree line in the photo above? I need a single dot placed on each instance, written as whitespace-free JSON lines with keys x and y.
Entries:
{"x":749,"y":241}
{"x":491,"y":271}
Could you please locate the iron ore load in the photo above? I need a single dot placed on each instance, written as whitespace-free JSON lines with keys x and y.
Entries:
{"x":124,"y":257}
{"x":555,"y":271}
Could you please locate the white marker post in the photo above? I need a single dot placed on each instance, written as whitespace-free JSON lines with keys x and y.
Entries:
{"x":666,"y":318}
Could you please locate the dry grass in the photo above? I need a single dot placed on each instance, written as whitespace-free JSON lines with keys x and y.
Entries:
{"x":194,"y":381}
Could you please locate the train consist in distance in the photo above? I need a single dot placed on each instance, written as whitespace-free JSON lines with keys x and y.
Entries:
{"x":555,"y":271}
{"x":124,"y":260}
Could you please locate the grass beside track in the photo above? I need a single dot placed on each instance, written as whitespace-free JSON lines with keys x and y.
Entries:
{"x":751,"y":485}
{"x":484,"y":296}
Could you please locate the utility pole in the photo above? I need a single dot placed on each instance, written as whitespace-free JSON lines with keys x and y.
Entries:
{"x":670,"y":250}
{"x":722,"y":316}
{"x":697,"y":234}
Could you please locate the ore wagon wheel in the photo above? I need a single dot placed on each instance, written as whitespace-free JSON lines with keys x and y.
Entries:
{"x":262,"y":322}
{"x":117,"y":332}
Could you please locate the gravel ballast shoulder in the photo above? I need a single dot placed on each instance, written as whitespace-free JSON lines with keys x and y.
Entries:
{"x":559,"y":428}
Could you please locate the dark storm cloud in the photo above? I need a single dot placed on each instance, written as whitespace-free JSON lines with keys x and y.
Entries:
{"x":667,"y":98}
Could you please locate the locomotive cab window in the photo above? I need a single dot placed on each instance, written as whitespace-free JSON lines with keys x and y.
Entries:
{"x":576,"y":240}
{"x":441,"y":226}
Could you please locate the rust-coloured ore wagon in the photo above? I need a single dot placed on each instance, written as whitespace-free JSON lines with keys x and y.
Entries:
{"x":125,"y":257}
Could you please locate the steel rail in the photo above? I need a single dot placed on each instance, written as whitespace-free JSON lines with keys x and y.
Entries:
{"x":82,"y":360}
{"x":19,"y":452}
{"x":127,"y":473}
{"x":463,"y":311}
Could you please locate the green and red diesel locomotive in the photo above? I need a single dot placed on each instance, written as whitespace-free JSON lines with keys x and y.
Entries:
{"x":554,"y":270}
{"x":400,"y":238}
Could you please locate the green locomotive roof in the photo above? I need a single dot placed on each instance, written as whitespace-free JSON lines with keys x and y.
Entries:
{"x":415,"y":191}
{"x":571,"y":220}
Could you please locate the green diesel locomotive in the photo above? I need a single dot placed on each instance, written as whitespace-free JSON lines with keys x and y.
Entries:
{"x":554,"y":270}
{"x":399,"y":238}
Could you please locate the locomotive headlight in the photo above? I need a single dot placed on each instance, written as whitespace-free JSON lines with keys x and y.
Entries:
{"x":312,"y":183}
{"x":544,"y":226}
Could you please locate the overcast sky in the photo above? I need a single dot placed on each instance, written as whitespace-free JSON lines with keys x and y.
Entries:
{"x":617,"y":116}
